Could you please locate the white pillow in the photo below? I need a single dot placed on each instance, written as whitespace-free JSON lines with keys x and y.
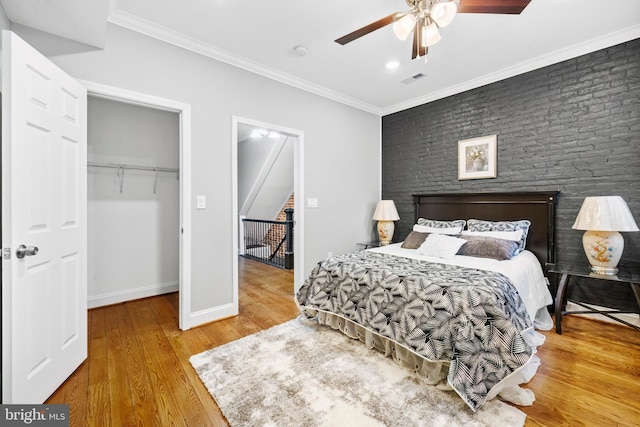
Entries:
{"x":426,"y":229}
{"x":514,"y":236}
{"x":440,"y":246}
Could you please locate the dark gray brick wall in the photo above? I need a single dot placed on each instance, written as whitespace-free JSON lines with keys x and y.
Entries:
{"x":572,"y":126}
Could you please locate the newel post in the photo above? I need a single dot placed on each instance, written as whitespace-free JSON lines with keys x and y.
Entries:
{"x":288,"y":254}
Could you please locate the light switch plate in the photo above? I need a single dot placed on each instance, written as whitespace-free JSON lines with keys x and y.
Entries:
{"x":201,"y":202}
{"x":312,"y":202}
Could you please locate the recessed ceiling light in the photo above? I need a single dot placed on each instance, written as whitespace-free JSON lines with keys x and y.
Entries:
{"x":392,"y":65}
{"x":259,"y":133}
{"x":263,"y":133}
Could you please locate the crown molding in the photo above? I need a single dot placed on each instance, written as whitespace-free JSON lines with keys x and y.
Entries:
{"x":611,"y":39}
{"x":133,"y":23}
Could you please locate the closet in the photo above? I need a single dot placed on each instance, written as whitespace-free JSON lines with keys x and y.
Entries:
{"x":133,"y":206}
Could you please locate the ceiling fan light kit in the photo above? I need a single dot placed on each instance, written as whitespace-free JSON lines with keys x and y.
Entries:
{"x":426,"y":16}
{"x":403,"y":26}
{"x":430,"y":35}
{"x":443,"y":13}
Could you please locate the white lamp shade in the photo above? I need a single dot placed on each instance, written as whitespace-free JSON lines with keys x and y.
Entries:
{"x":443,"y":13}
{"x":403,"y":26}
{"x":430,"y":35}
{"x":605,"y":213}
{"x":386,"y":211}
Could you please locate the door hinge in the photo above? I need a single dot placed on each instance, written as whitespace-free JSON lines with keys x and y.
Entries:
{"x":6,"y":253}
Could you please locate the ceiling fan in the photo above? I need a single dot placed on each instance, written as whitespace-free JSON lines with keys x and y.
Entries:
{"x":426,"y":16}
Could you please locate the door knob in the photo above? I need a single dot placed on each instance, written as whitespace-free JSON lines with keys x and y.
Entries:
{"x":24,"y":251}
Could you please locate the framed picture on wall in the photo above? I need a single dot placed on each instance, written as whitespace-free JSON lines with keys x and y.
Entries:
{"x":477,"y":157}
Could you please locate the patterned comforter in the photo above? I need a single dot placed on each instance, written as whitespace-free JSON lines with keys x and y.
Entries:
{"x":470,"y":318}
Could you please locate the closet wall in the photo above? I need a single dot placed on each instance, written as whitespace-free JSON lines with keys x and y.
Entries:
{"x":133,"y":215}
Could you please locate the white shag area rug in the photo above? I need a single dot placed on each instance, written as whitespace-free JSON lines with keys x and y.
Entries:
{"x":303,"y":374}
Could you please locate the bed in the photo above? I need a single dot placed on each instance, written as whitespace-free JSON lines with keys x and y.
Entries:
{"x":458,"y":301}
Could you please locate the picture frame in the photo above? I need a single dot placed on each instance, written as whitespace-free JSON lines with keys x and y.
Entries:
{"x":477,"y":157}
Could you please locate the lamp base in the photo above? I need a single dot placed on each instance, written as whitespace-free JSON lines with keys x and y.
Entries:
{"x":385,"y":232}
{"x":603,"y":250}
{"x":604,"y":271}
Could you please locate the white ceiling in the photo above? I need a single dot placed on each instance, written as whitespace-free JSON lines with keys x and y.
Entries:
{"x":82,"y":21}
{"x":260,"y":36}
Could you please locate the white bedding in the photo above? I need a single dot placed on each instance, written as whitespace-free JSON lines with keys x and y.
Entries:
{"x":523,"y":270}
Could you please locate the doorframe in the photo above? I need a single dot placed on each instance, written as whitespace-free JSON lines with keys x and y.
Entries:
{"x":298,"y":191}
{"x":184,"y":113}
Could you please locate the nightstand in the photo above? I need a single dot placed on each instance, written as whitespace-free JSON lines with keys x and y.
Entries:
{"x":369,"y":245}
{"x":567,"y":272}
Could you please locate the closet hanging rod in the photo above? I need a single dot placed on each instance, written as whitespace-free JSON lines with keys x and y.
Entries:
{"x":136,"y":167}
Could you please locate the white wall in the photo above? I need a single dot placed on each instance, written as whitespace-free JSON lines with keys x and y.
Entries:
{"x":341,"y":148}
{"x":4,"y":21}
{"x":251,"y":158}
{"x":272,"y":185}
{"x":133,"y":240}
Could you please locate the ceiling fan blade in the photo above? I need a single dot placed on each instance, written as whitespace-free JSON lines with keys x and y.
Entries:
{"x":367,"y":29}
{"x":417,"y":49}
{"x":507,"y":7}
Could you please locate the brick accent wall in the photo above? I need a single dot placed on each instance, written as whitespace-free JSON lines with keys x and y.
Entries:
{"x":282,"y":216}
{"x":277,"y":231}
{"x":572,"y":126}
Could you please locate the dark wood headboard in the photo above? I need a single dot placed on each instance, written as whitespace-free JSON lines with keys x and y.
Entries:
{"x":537,"y":207}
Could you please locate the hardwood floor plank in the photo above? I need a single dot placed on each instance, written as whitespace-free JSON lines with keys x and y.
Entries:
{"x":77,"y":392}
{"x":122,"y":409}
{"x":138,"y":370}
{"x":587,"y":377}
{"x":180,"y":403}
{"x":152,"y":349}
{"x":98,"y":399}
{"x":576,"y":406}
{"x":141,"y":390}
{"x":184,"y":345}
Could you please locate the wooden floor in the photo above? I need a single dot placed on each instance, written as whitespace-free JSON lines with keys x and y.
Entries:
{"x":138,"y":372}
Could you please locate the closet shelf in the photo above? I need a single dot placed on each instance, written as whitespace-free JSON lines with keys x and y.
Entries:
{"x":121,"y":166}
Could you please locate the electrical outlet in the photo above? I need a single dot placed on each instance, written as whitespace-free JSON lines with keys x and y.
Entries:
{"x":329,"y":254}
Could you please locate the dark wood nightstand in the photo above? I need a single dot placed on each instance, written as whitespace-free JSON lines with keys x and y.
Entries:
{"x":567,"y":272}
{"x":368,"y":245}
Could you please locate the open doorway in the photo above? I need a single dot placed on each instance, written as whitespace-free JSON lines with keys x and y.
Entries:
{"x":133,"y":201}
{"x":183,"y":175}
{"x":263,"y":187}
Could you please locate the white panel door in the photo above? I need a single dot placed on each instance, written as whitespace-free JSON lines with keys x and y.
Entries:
{"x":44,"y":206}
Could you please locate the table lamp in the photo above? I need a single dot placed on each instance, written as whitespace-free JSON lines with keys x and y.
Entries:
{"x":604,"y":217}
{"x":385,"y":214}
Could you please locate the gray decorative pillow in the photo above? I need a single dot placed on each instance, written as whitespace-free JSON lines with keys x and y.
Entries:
{"x":414,"y":240}
{"x":482,"y":225}
{"x":489,"y":247}
{"x":441,"y":224}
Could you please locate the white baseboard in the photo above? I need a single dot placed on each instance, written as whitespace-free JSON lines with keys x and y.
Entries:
{"x":211,"y":315}
{"x":632,"y":318}
{"x":131,"y":294}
